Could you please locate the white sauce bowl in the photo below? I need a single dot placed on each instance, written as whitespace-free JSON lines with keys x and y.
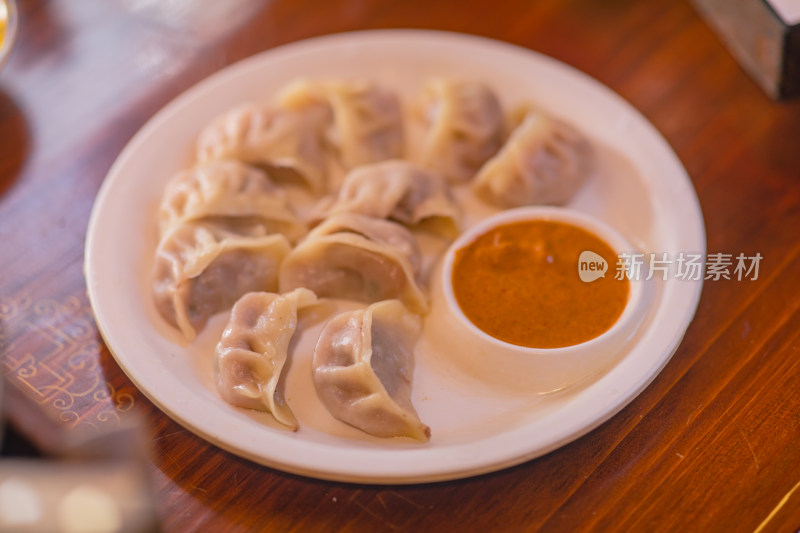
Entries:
{"x":540,"y":370}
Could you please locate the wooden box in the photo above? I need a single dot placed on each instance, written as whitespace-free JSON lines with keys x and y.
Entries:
{"x":764,"y":36}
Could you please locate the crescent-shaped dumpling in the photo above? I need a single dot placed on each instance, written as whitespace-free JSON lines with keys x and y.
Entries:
{"x":367,"y":124}
{"x":464,"y":127}
{"x":363,"y":367}
{"x":359,"y":258}
{"x":544,"y":161}
{"x":229,"y":191}
{"x":202,"y":268}
{"x":250,"y":357}
{"x":287,"y":143}
{"x":398,"y":190}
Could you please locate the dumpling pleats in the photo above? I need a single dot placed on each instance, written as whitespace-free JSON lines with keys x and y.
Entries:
{"x":398,"y":190}
{"x":288,"y":143}
{"x":367,"y":124}
{"x":202,"y":268}
{"x":545,"y":161}
{"x":250,"y":357}
{"x":464,"y":127}
{"x":363,"y":368}
{"x":358,"y":258}
{"x":230,"y":191}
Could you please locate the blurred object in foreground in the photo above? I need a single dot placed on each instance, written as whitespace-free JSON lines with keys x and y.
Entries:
{"x":81,"y":480}
{"x":44,"y":495}
{"x":8,"y":27}
{"x":764,"y":36}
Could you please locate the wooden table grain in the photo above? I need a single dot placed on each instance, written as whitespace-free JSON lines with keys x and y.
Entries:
{"x":713,"y":444}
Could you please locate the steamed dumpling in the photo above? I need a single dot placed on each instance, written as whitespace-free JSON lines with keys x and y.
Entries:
{"x":363,"y":367}
{"x":464,"y":127}
{"x":376,"y":230}
{"x":202,"y":268}
{"x":367,"y":124}
{"x":231,"y":191}
{"x":401,"y":191}
{"x":545,"y":161}
{"x":250,"y":357}
{"x":288,"y":143}
{"x":359,"y":258}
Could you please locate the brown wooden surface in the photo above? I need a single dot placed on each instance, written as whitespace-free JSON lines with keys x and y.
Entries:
{"x":712,"y":445}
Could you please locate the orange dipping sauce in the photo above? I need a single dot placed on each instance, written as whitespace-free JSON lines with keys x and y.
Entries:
{"x":519,"y":283}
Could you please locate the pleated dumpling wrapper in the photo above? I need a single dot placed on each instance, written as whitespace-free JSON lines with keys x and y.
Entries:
{"x":230,"y":191}
{"x":464,"y":127}
{"x":363,"y":368}
{"x":289,"y":144}
{"x":544,"y":161}
{"x":367,"y":123}
{"x":203,"y":267}
{"x":357,"y":257}
{"x":250,"y":357}
{"x":398,"y":190}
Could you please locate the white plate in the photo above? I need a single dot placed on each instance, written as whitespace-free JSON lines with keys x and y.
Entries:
{"x":645,"y":194}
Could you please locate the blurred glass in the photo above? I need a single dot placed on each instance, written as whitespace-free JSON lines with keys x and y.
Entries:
{"x":8,"y":28}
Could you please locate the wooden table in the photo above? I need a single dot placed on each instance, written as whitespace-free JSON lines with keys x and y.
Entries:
{"x":713,"y":444}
